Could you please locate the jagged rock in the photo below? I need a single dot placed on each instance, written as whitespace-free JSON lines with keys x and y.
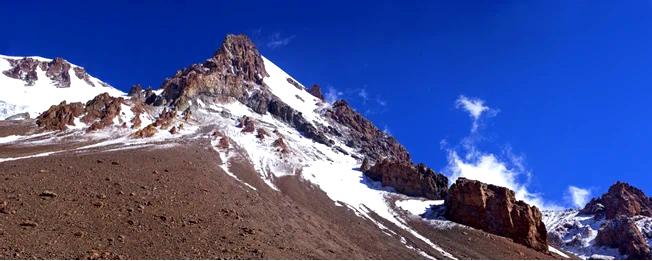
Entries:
{"x":417,"y":181}
{"x":283,"y":111}
{"x":187,"y":114}
{"x":622,"y":233}
{"x":315,"y":90}
{"x":365,"y":165}
{"x":363,"y":134}
{"x":495,"y":210}
{"x":621,"y":199}
{"x":148,"y":131}
{"x":295,"y":83}
{"x":166,"y":118}
{"x":136,"y":91}
{"x":247,"y":124}
{"x":235,"y":68}
{"x":173,"y":130}
{"x":280,"y":145}
{"x":83,"y":75}
{"x":261,"y":133}
{"x":59,"y":116}
{"x":137,"y":107}
{"x":57,"y":70}
{"x":23,"y":69}
{"x":101,"y":110}
{"x":223,"y":143}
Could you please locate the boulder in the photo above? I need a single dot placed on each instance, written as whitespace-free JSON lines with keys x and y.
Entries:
{"x":495,"y":210}
{"x":417,"y":181}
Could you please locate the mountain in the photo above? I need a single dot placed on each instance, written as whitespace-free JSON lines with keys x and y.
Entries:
{"x":233,"y":158}
{"x":617,"y":225}
{"x":29,"y":85}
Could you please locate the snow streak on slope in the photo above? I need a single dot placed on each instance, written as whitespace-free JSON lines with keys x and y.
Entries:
{"x":576,"y":233}
{"x":16,"y":98}
{"x":332,"y":171}
{"x":299,"y":99}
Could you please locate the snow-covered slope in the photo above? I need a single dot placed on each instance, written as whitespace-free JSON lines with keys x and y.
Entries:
{"x":576,"y":233}
{"x":17,"y":96}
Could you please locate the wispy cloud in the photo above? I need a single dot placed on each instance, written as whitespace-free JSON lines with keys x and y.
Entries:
{"x":276,"y":40}
{"x":332,"y":95}
{"x":506,"y":169}
{"x":363,"y":95}
{"x":578,"y":196}
{"x":475,"y":107}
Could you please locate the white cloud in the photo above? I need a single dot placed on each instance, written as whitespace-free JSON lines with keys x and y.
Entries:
{"x":578,"y":196}
{"x":505,"y":170}
{"x":277,"y":41}
{"x":332,"y":95}
{"x":475,"y":107}
{"x":364,"y":95}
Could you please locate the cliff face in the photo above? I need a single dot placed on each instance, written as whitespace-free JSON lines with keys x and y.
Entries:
{"x":495,"y":210}
{"x":418,"y":181}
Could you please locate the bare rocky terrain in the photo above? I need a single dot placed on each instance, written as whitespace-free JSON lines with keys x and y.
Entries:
{"x":174,"y":201}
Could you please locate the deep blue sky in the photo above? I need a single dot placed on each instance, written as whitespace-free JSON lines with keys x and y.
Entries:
{"x":572,"y":80}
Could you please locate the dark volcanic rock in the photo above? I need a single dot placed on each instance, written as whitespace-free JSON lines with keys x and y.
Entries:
{"x":373,"y":143}
{"x":58,"y":116}
{"x":315,"y":90}
{"x":495,"y":210}
{"x":418,"y":181}
{"x":623,"y":234}
{"x":295,"y":83}
{"x":621,"y":199}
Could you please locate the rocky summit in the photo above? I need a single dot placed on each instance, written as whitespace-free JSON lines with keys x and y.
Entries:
{"x":621,"y":199}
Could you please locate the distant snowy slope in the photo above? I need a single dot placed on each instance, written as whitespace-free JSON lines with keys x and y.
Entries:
{"x":33,"y":84}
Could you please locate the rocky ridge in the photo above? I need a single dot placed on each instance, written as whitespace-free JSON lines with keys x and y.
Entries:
{"x":416,"y":181}
{"x":57,"y":70}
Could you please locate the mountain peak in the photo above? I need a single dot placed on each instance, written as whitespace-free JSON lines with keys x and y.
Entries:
{"x":235,"y":67}
{"x":621,"y":199}
{"x":241,"y":54}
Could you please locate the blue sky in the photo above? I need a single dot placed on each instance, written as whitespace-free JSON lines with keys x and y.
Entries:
{"x":567,"y":84}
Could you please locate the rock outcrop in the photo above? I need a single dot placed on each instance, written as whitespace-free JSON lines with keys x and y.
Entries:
{"x":235,"y":72}
{"x":495,"y":210}
{"x":362,"y":134}
{"x":315,"y":90}
{"x":236,"y":68}
{"x":621,"y":199}
{"x":417,"y":181}
{"x":101,"y":110}
{"x":57,"y":70}
{"x":98,"y":113}
{"x":623,"y":234}
{"x":58,"y":117}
